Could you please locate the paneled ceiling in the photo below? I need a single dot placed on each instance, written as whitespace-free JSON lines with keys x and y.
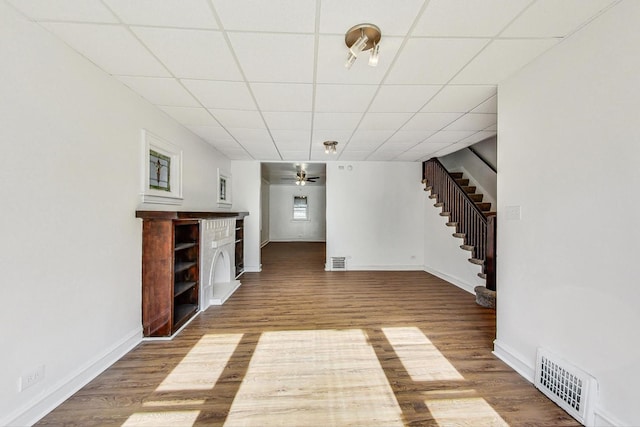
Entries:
{"x":265,"y":79}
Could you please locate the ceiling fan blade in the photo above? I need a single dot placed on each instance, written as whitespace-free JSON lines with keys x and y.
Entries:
{"x":313,"y":177}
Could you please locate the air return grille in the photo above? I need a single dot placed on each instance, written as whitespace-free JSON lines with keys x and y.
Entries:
{"x":338,"y":263}
{"x":569,"y":387}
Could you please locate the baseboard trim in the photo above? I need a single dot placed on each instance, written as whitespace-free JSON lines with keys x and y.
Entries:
{"x":383,"y":267}
{"x":252,"y":268}
{"x":35,"y":410}
{"x":515,"y":360}
{"x":454,"y":281}
{"x":605,"y":419}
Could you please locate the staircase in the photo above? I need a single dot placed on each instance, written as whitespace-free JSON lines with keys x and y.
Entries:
{"x":472,"y":220}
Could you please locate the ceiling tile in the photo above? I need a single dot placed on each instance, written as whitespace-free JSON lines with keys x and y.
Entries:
{"x":196,"y":54}
{"x":459,"y":98}
{"x":384,"y":121}
{"x":292,"y":139}
{"x":368,"y":138}
{"x":336,"y":121}
{"x":160,"y":90}
{"x":252,"y":137}
{"x":489,"y":106}
{"x":332,"y":55}
{"x":65,"y":10}
{"x":285,"y":16}
{"x":501,"y":59}
{"x":353,"y":156}
{"x":221,"y":94}
{"x":464,"y":18}
{"x":553,"y":18}
{"x":190,"y":116}
{"x":473,"y":121}
{"x":337,"y":16}
{"x":406,"y":137}
{"x":236,"y":154}
{"x":344,"y":99}
{"x":278,"y":58}
{"x":110,"y":47}
{"x":477,"y":137}
{"x":430,"y":121}
{"x":433,"y":61}
{"x":248,"y":119}
{"x":165,"y":13}
{"x":448,"y":137}
{"x":294,"y":155}
{"x":216,"y":135}
{"x":290,"y":121}
{"x":402,"y":98}
{"x":492,"y":128}
{"x":283,"y":96}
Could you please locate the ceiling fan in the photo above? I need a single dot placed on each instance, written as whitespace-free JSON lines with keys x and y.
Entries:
{"x":301,"y":178}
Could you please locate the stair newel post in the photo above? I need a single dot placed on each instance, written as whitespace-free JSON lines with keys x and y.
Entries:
{"x":491,"y":253}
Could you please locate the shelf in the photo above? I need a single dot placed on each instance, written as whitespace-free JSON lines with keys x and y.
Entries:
{"x":181,"y":246}
{"x":181,"y":266}
{"x":182,"y":312}
{"x":182,"y":287}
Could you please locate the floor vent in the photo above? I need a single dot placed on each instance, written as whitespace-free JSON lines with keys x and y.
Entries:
{"x":569,"y":387}
{"x":338,"y":263}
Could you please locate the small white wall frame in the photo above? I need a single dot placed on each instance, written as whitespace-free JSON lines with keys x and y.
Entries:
{"x":224,"y":189}
{"x":161,"y":183}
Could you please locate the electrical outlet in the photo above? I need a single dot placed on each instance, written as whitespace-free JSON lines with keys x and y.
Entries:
{"x":31,"y":378}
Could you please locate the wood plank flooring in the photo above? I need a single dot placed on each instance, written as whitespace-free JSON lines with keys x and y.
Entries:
{"x":296,"y":345}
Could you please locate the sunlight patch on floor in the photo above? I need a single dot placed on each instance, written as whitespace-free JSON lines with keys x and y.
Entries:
{"x":310,"y":378}
{"x":421,"y":359}
{"x":466,"y":411}
{"x":164,"y":418}
{"x":202,"y":366}
{"x":174,"y":402}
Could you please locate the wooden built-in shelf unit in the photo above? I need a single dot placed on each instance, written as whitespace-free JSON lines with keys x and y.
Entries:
{"x":171,"y":266}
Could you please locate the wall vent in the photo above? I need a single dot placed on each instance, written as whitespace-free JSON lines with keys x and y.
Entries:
{"x":569,"y":387}
{"x":338,"y":263}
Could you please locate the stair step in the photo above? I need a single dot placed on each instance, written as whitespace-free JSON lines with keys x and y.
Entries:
{"x":439,"y":204}
{"x":459,"y":235}
{"x":482,"y":276}
{"x":489,"y":213}
{"x":476,"y":197}
{"x":429,"y":188}
{"x":484,"y":206}
{"x":462,"y":181}
{"x":467,"y":247}
{"x":445,"y":213}
{"x":433,"y":196}
{"x":469,"y":189}
{"x":476,"y":261}
{"x":456,"y":175}
{"x":452,"y":224}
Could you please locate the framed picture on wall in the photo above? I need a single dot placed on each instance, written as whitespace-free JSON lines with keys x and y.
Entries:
{"x":161,"y":170}
{"x":224,"y":189}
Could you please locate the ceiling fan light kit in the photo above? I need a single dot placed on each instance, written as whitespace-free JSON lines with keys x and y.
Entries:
{"x":361,"y":38}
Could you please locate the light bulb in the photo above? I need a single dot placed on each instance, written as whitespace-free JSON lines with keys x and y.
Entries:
{"x":350,"y":60}
{"x":302,"y":183}
{"x":373,"y":59}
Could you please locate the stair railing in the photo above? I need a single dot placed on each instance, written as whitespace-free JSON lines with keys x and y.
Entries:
{"x":462,"y":210}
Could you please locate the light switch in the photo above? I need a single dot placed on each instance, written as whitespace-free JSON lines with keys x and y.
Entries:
{"x":514,"y":213}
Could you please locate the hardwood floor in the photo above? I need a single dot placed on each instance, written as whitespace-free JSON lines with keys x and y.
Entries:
{"x":296,"y":345}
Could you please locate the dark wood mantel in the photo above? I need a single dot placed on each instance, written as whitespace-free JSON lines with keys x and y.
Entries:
{"x":188,"y":215}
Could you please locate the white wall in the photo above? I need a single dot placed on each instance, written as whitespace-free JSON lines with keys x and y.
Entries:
{"x":442,"y":254}
{"x":282,"y":227}
{"x":568,"y":155}
{"x":70,"y":251}
{"x":375,"y":214}
{"x":264,"y":210}
{"x":247,"y":197}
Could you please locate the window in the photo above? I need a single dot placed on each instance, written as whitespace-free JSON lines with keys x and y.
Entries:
{"x":300,"y":208}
